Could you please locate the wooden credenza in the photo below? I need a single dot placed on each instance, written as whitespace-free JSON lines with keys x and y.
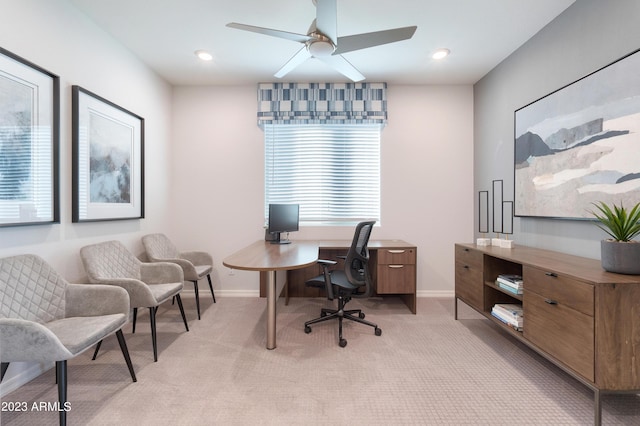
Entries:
{"x":392,"y":264}
{"x":580,"y":317}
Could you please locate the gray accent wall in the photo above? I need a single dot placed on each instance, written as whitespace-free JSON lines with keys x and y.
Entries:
{"x":587,"y":36}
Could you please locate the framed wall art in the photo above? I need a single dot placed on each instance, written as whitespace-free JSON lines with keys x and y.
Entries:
{"x":29,"y":142}
{"x":580,"y":144}
{"x":108,"y":159}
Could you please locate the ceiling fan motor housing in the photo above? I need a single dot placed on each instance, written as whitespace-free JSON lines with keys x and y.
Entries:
{"x":320,"y":46}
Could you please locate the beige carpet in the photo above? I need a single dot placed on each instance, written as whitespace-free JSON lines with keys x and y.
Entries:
{"x":425,"y":369}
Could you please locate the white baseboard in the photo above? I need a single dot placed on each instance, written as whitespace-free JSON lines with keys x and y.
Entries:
{"x":238,"y":293}
{"x":29,"y":372}
{"x":435,"y":293}
{"x":256,"y":293}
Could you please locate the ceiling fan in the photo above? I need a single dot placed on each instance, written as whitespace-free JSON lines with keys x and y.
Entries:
{"x":322,"y":42}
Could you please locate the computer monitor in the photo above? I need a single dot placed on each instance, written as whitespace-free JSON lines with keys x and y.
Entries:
{"x":282,"y":218}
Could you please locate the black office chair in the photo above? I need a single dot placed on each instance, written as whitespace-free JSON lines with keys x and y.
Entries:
{"x":353,"y":281}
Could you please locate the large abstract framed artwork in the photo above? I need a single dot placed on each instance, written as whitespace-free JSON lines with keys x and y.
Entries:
{"x":108,"y":160}
{"x":580,"y":144}
{"x":29,"y":142}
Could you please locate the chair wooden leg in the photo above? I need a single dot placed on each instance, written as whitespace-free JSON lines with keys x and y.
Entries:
{"x":195,"y":289}
{"x":211,"y":288}
{"x":95,"y":353}
{"x":3,"y":369}
{"x":184,"y":318}
{"x":135,"y":315}
{"x":125,"y":352}
{"x":152,"y":320}
{"x":61,"y":378}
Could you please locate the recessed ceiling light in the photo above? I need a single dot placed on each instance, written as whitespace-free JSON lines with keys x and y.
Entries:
{"x":440,"y":53}
{"x":204,"y":55}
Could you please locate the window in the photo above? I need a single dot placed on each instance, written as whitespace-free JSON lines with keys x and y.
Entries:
{"x":331,"y":170}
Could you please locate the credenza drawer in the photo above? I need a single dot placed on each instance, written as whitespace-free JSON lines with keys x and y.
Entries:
{"x":469,"y":276}
{"x":559,"y":330}
{"x":563,"y":290}
{"x":473,"y":258}
{"x":399,"y":256}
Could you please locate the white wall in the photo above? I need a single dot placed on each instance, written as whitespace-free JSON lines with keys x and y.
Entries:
{"x":587,"y":36}
{"x":55,"y":36}
{"x":427,"y":193}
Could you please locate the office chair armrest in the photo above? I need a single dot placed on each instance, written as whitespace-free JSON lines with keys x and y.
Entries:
{"x":327,"y":275}
{"x":83,"y":300}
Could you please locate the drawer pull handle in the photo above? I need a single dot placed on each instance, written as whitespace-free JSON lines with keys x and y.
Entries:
{"x":396,"y":251}
{"x":396,"y":266}
{"x":551,"y":301}
{"x":551,"y":274}
{"x":466,"y":249}
{"x":466,"y":266}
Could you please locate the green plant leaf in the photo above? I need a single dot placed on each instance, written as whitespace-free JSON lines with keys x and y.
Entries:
{"x":620,"y":224}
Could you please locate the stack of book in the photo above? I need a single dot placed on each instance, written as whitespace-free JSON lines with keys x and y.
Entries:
{"x":511,"y":283}
{"x":509,"y":313}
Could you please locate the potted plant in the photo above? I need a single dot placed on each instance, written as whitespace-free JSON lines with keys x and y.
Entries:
{"x":620,"y":253}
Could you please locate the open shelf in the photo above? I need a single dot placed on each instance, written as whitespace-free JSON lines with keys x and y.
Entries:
{"x":496,"y":287}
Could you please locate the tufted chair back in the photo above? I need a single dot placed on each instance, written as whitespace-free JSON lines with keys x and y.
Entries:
{"x":115,"y":261}
{"x":31,"y":290}
{"x":159,"y":246}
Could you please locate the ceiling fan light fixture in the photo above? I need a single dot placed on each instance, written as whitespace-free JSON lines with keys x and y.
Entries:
{"x":440,"y":53}
{"x":321,"y":48}
{"x":204,"y":55}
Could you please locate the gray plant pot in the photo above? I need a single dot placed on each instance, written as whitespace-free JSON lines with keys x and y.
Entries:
{"x":619,"y":257}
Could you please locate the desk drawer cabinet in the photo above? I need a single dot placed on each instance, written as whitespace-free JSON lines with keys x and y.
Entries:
{"x":396,"y":271}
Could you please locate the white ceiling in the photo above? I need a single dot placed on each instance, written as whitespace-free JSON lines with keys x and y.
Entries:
{"x":165,"y":33}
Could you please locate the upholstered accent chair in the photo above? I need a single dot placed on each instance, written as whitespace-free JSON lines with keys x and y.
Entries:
{"x":148,"y":284}
{"x":43,"y":318}
{"x":195,"y":264}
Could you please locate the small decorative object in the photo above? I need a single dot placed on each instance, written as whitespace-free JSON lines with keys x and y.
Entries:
{"x":620,"y":253}
{"x":483,"y":218}
{"x":108,"y":160}
{"x":506,"y":243}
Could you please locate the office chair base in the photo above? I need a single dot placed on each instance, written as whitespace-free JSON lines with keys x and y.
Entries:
{"x":340,"y":314}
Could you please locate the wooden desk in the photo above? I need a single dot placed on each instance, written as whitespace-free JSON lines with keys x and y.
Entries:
{"x":392,"y":264}
{"x":269,"y":258}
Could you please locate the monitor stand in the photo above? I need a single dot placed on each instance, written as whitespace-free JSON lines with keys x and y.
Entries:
{"x":277,"y":240}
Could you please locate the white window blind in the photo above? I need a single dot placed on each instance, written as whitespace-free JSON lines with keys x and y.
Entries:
{"x":331,"y":170}
{"x":26,"y":165}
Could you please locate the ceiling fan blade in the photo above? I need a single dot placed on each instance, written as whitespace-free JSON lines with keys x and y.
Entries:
{"x":297,"y":59}
{"x":377,"y":38}
{"x":327,"y":18}
{"x":344,"y":67}
{"x":301,"y":38}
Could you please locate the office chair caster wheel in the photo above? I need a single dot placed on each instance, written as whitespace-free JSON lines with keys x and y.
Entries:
{"x":307,"y":329}
{"x":378,"y":331}
{"x":361,"y":315}
{"x":343,"y":343}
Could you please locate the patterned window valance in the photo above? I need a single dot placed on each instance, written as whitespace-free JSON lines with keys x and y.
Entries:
{"x":313,"y":103}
